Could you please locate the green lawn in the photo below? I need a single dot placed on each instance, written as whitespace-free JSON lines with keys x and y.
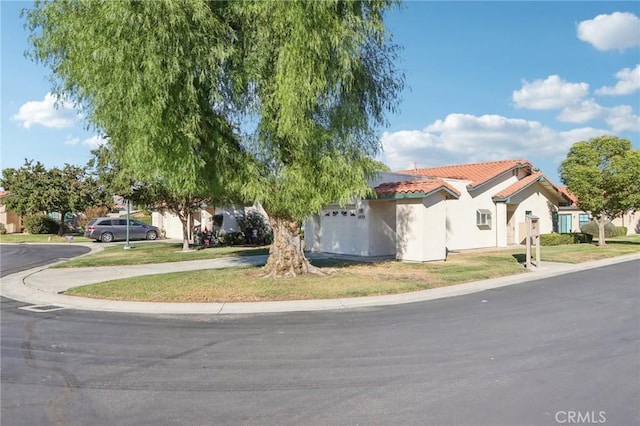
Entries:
{"x":156,"y":252}
{"x":350,"y":279}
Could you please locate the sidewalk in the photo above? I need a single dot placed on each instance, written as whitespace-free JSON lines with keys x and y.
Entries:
{"x":41,"y":286}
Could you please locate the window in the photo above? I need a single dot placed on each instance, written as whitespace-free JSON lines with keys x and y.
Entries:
{"x":483,"y":218}
{"x":583,"y":218}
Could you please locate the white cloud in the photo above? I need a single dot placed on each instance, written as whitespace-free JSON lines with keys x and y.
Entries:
{"x":45,"y":113}
{"x":581,"y":113}
{"x":620,"y":30}
{"x":622,"y":118}
{"x":463,"y":138}
{"x":552,"y":93}
{"x":628,"y":82}
{"x":92,"y":142}
{"x":71,"y":140}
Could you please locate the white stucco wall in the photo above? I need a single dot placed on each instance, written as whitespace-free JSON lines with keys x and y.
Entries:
{"x":535,"y":199}
{"x":382,"y":227}
{"x":420,"y":228}
{"x":462,"y":230}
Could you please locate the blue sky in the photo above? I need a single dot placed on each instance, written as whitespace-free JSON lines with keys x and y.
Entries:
{"x":485,"y":81}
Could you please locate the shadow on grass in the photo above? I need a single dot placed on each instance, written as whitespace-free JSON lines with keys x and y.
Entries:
{"x":614,"y":242}
{"x":520,"y":257}
{"x":334,"y":263}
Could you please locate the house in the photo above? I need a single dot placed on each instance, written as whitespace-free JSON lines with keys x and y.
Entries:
{"x":421,"y":214}
{"x":11,"y":221}
{"x":207,"y":217}
{"x":571,"y":217}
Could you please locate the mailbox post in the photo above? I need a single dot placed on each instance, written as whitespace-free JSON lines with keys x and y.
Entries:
{"x":533,"y":236}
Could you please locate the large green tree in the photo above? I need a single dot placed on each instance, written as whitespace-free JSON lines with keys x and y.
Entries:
{"x":35,"y":189}
{"x":604,"y":174}
{"x":322,"y":77}
{"x":173,"y":83}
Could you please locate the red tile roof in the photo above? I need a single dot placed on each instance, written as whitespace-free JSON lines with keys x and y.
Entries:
{"x":417,"y":187}
{"x":524,"y":183}
{"x":573,"y":200}
{"x":477,"y":173}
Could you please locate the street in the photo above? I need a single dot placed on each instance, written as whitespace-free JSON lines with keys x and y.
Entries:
{"x":531,"y":354}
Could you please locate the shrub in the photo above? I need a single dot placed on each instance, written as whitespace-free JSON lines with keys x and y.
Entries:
{"x":3,"y":229}
{"x":255,"y":220}
{"x":621,"y":231}
{"x":592,"y":229}
{"x":91,"y":213}
{"x":231,"y":239}
{"x":561,"y":239}
{"x":41,"y":224}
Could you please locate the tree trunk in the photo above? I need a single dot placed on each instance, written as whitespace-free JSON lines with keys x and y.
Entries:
{"x":286,"y":255}
{"x":61,"y":228}
{"x":601,"y":239}
{"x":184,"y":220}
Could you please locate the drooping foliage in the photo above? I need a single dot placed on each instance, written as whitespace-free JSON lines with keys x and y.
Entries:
{"x":321,"y":77}
{"x":152,"y":76}
{"x":604,"y":174}
{"x":180,"y":85}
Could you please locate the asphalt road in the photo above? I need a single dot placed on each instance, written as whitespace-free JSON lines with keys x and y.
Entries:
{"x":539,"y":353}
{"x":19,"y":257}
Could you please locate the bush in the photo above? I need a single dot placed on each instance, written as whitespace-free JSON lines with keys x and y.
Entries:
{"x":562,"y":239}
{"x":40,"y":224}
{"x":255,"y":220}
{"x":91,"y":213}
{"x":621,"y":231}
{"x":592,"y":229}
{"x":3,"y":229}
{"x":231,"y":239}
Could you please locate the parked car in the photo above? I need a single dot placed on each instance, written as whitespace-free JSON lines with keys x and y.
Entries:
{"x":107,"y":229}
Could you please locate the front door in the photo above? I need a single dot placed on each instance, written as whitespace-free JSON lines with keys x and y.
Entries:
{"x":564,"y":223}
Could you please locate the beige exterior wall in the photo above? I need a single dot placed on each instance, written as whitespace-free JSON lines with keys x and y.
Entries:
{"x":631,"y":220}
{"x":421,"y":228}
{"x":11,"y":221}
{"x":462,"y":229}
{"x":535,"y":199}
{"x":382,"y":227}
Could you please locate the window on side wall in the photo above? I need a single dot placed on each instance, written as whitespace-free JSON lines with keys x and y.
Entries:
{"x":583,"y":219}
{"x":483,"y":218}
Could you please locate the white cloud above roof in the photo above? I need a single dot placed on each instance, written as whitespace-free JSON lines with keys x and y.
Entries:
{"x":628,"y":82}
{"x":551,"y":93}
{"x":46,"y":113}
{"x":464,"y":138}
{"x":617,"y":31}
{"x":92,"y":142}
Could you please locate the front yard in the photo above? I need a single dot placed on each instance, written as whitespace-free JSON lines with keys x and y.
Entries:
{"x":350,"y":279}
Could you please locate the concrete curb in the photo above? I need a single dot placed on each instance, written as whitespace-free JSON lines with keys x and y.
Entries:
{"x":29,"y":287}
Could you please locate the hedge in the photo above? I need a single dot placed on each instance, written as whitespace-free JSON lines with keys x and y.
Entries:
{"x":562,"y":239}
{"x":592,"y":228}
{"x":40,"y":224}
{"x":621,"y":231}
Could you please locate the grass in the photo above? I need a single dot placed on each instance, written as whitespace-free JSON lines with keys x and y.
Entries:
{"x":158,"y":252}
{"x":351,"y":279}
{"x":41,"y":238}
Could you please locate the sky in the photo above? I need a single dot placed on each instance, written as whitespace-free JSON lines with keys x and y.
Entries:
{"x":485,"y":81}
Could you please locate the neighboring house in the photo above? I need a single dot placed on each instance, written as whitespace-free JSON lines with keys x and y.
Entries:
{"x":571,"y":217}
{"x":207,"y":217}
{"x":10,"y":219}
{"x":421,"y":214}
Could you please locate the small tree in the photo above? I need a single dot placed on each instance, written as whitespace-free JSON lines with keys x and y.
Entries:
{"x":604,"y":174}
{"x":34,"y":189}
